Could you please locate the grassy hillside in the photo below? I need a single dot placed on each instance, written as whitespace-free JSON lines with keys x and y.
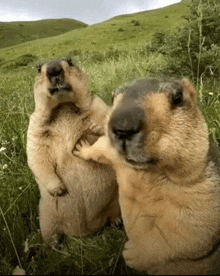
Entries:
{"x":12,"y":33}
{"x":123,"y":32}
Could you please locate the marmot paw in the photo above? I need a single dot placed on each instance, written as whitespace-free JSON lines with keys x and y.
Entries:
{"x":96,"y":129}
{"x":82,"y":149}
{"x":130,"y":255}
{"x":59,"y":190}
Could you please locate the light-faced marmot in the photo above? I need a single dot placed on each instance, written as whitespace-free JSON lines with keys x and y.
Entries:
{"x":76,"y":196}
{"x":169,"y":186}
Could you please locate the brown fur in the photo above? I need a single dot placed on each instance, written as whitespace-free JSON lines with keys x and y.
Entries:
{"x":76,"y":196}
{"x":169,"y":186}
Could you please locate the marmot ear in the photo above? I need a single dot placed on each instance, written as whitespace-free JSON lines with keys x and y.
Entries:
{"x":190,"y":89}
{"x":177,"y":96}
{"x":39,"y":66}
{"x":113,"y":96}
{"x":176,"y":93}
{"x":69,"y":61}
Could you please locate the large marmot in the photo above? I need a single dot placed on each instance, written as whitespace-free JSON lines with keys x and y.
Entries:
{"x":169,"y":185}
{"x":76,"y":196}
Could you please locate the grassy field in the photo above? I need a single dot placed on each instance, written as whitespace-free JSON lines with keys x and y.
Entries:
{"x":110,"y":63}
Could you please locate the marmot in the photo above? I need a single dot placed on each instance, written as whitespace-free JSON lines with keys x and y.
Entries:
{"x":76,"y":196}
{"x":169,"y":185}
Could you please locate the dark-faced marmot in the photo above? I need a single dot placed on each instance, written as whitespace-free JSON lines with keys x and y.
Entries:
{"x":169,"y":185}
{"x":76,"y":196}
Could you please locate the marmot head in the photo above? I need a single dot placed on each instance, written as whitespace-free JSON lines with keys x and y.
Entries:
{"x":61,"y":81}
{"x":157,"y":124}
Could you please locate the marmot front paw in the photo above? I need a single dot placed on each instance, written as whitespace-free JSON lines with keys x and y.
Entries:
{"x":82,"y":149}
{"x":58,"y":191}
{"x":96,"y":129}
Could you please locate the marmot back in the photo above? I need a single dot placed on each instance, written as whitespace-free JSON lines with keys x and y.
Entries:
{"x":76,"y":196}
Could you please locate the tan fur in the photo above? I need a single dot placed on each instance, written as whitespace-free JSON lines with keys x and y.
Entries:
{"x":76,"y":196}
{"x":171,"y":203}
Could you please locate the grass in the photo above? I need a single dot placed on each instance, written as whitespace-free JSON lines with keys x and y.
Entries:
{"x":117,"y":64}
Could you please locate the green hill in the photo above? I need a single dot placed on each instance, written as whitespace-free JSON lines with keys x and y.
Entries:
{"x":12,"y":33}
{"x":121,"y":32}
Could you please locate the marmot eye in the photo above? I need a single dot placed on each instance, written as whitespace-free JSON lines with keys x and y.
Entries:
{"x":177,"y":97}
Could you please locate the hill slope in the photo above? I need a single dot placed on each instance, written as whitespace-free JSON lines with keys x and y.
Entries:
{"x":122,"y":32}
{"x":12,"y":33}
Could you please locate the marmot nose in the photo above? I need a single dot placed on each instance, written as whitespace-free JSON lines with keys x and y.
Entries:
{"x":125,"y":123}
{"x":55,"y":71}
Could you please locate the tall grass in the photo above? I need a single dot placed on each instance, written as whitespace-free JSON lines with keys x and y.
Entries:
{"x":20,"y":240}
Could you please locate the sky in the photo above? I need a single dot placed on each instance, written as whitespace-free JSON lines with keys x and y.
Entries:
{"x":87,"y":11}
